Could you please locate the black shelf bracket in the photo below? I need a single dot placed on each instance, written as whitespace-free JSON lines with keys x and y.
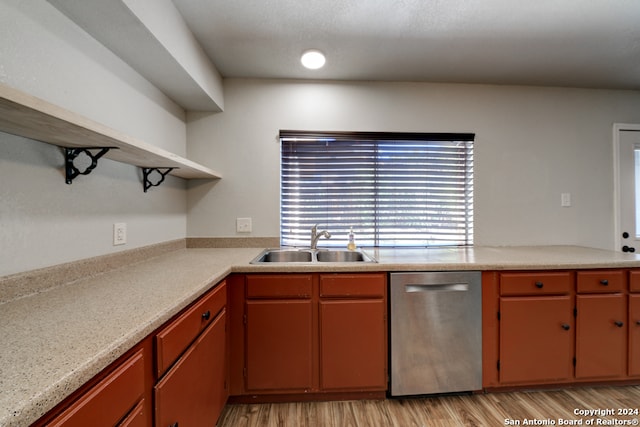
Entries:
{"x":70,"y":154}
{"x":147,"y":183}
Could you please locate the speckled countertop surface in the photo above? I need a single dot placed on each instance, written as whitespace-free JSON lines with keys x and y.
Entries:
{"x":56,"y":340}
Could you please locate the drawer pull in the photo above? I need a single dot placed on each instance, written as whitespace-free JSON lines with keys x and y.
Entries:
{"x":174,"y":424}
{"x":566,"y":326}
{"x":604,"y":282}
{"x":619,"y":324}
{"x":539,"y":285}
{"x":638,"y":322}
{"x":206,"y":316}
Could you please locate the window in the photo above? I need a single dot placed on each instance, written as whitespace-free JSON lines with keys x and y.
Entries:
{"x":394,"y":189}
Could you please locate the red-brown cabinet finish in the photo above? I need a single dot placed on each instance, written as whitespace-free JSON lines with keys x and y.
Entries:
{"x":137,"y":417}
{"x":279,"y":345}
{"x":601,"y":281}
{"x":111,"y":400}
{"x":310,"y":335}
{"x":353,"y":345}
{"x":192,"y":393}
{"x":353,"y":339}
{"x":173,"y":340}
{"x":288,"y":286}
{"x":634,"y":334}
{"x":634,"y":281}
{"x":601,"y":336}
{"x":536,"y":283}
{"x":536,"y":339}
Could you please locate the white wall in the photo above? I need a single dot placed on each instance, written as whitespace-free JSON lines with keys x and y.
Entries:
{"x":44,"y":221}
{"x":532,"y":144}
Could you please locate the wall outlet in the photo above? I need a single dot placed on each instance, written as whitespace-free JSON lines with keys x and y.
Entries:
{"x":243,"y":225}
{"x":119,"y":233}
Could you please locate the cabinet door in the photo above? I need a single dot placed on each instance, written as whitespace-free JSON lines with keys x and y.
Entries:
{"x":601,"y":336}
{"x":193,"y":391}
{"x":536,"y":339}
{"x":353,"y":345}
{"x":634,"y":335}
{"x":279,"y":345}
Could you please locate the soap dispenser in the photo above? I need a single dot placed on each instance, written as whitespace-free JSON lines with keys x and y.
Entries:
{"x":352,"y":240}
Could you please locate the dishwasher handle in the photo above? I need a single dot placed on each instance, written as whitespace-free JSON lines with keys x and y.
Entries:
{"x":437,"y":287}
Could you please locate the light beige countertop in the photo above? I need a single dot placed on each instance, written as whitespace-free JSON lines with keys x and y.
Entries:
{"x":55,"y":340}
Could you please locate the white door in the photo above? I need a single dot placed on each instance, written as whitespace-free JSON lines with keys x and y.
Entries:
{"x":627,"y":141}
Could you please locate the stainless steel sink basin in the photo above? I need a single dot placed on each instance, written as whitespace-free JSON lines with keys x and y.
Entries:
{"x":283,"y":255}
{"x":340,"y":256}
{"x":310,"y":256}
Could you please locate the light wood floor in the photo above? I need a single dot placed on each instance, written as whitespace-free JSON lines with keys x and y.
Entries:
{"x":493,"y":409}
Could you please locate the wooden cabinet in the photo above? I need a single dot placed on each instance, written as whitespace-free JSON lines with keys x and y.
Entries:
{"x":559,"y":327}
{"x":353,"y":345}
{"x":117,"y":400}
{"x":634,"y":334}
{"x":309,"y":334}
{"x":279,"y":331}
{"x":536,"y":328}
{"x":279,"y":345}
{"x":536,"y":339}
{"x":193,"y":390}
{"x":602,"y":315}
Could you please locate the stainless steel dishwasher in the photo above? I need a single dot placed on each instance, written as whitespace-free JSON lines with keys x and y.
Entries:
{"x":436,"y":332}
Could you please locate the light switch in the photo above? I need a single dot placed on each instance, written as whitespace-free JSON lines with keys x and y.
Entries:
{"x":243,"y":225}
{"x":565,"y":200}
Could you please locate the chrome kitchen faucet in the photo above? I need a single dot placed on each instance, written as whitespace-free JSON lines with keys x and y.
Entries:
{"x":315,"y":236}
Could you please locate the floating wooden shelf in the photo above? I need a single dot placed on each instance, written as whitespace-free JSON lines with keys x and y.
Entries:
{"x":25,"y":115}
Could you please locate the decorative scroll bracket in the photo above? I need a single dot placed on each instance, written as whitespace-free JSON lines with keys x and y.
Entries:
{"x":70,"y":154}
{"x":146,"y":183}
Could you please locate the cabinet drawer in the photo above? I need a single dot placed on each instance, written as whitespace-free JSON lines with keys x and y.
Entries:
{"x":173,"y":340}
{"x":279,"y":286}
{"x":353,"y":285}
{"x":634,"y":281}
{"x":110,"y":400}
{"x":535,"y":283}
{"x":601,"y":281}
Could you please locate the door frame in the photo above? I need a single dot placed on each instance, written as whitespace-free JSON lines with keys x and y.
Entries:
{"x":617,"y":128}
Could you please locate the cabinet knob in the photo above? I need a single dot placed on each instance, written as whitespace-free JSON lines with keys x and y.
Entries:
{"x":619,"y":324}
{"x":174,"y":424}
{"x":539,"y":285}
{"x":206,"y":315}
{"x":566,"y":326}
{"x":604,"y":282}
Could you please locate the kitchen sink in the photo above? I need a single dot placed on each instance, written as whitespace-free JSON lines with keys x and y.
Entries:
{"x":310,"y":256}
{"x":340,"y":256}
{"x":283,"y":255}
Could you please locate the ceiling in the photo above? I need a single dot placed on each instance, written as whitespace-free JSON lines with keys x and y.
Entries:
{"x":583,"y":43}
{"x":186,"y":47}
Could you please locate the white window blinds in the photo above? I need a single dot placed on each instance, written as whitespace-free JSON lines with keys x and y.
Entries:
{"x":394,"y":189}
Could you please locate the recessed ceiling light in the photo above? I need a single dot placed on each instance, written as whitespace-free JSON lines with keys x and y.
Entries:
{"x":313,"y":59}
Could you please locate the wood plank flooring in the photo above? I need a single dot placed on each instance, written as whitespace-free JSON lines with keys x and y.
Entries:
{"x":493,"y":409}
